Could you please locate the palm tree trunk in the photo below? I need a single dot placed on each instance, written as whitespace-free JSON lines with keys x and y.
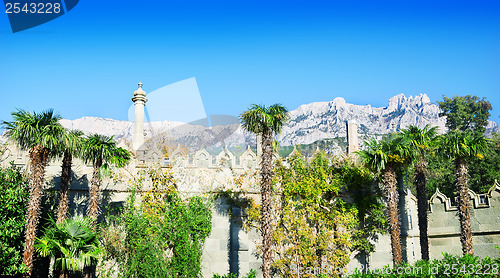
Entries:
{"x":59,"y":273}
{"x":93,"y":208}
{"x":463,"y":206}
{"x":38,"y":160}
{"x":421,"y":182}
{"x":392,"y":199}
{"x":88,"y":271}
{"x":266,"y":175}
{"x":62,"y":209}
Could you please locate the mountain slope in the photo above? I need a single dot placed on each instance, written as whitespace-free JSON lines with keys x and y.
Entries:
{"x":308,"y":123}
{"x":320,"y":120}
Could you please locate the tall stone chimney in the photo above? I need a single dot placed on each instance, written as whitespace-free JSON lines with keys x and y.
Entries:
{"x":139,"y":100}
{"x":352,"y":137}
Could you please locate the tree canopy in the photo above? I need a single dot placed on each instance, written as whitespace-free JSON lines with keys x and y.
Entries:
{"x":466,"y":113}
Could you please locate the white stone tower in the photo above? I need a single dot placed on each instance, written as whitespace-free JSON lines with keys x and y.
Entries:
{"x":139,"y":100}
{"x":352,"y":137}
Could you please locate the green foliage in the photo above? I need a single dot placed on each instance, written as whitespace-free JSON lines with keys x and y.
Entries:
{"x":162,"y":236}
{"x":467,"y":117}
{"x":366,"y":196}
{"x":312,"y":224}
{"x":13,"y":199}
{"x":72,"y":243}
{"x":259,"y":118}
{"x":457,"y":144}
{"x":143,"y":254}
{"x":71,"y":143}
{"x":170,"y":246}
{"x":315,"y":226}
{"x":35,"y":129}
{"x":388,"y":151}
{"x":250,"y":274}
{"x":312,"y":220}
{"x":449,"y":266}
{"x":465,"y":113}
{"x":100,"y":149}
{"x":420,"y":142}
{"x":441,"y":174}
{"x":485,"y":169}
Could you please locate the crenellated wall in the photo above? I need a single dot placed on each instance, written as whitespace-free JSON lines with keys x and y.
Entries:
{"x":229,"y":248}
{"x":443,"y":229}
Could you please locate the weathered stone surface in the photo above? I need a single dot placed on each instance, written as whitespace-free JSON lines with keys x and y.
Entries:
{"x":444,"y":230}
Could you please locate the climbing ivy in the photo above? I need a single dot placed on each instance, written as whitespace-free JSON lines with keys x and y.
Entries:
{"x":320,"y":209}
{"x":158,"y":234}
{"x":364,"y":194}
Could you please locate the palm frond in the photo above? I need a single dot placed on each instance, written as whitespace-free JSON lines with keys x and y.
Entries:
{"x":100,"y":147}
{"x":388,"y":150}
{"x":29,"y":129}
{"x":72,"y":243}
{"x":458,"y":144}
{"x":259,"y":118}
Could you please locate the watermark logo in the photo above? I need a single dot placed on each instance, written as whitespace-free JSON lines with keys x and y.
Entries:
{"x":26,"y":14}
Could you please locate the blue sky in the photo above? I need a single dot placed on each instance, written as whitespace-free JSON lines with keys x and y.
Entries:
{"x":88,"y":62}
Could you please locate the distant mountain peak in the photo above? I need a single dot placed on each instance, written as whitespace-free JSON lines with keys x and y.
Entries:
{"x":339,"y":101}
{"x":320,"y":120}
{"x":307,"y":124}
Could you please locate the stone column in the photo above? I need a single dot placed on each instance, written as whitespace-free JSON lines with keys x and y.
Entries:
{"x":352,"y":137}
{"x":139,"y":100}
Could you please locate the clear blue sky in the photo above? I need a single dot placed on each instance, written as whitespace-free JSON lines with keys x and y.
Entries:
{"x":89,"y":61}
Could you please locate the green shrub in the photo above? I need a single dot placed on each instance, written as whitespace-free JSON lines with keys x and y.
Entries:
{"x":13,"y":199}
{"x":169,"y":244}
{"x":160,"y":236}
{"x":449,"y":266}
{"x":250,"y":274}
{"x":72,"y":244}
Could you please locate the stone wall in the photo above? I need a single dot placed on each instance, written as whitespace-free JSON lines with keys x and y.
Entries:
{"x":230,"y":248}
{"x":443,"y":229}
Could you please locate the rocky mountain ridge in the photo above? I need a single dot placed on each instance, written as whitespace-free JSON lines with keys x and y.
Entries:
{"x":320,"y":120}
{"x":307,"y":124}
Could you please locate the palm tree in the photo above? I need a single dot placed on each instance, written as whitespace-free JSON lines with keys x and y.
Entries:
{"x":40,"y":133}
{"x":73,"y":245}
{"x":265,"y":121}
{"x":102,"y":152}
{"x":420,"y":143}
{"x":384,"y":158}
{"x":461,"y":146}
{"x":70,"y":147}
